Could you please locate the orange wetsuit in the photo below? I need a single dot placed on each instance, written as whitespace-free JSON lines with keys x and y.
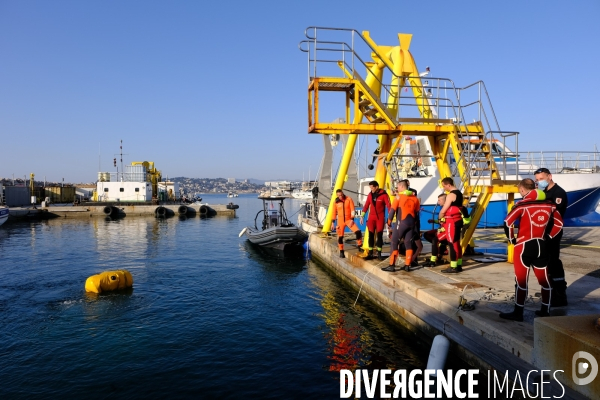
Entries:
{"x":406,"y":208}
{"x":343,"y":213}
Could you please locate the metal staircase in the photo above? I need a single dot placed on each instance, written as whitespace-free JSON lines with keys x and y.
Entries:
{"x":372,"y":107}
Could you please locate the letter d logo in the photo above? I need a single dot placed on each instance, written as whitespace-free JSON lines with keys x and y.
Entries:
{"x":580,"y":368}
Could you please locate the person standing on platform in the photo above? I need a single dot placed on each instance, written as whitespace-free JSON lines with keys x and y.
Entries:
{"x":451,"y":219}
{"x":437,"y":237}
{"x":344,"y":215}
{"x":539,"y":220}
{"x":406,"y":209}
{"x":376,"y":203}
{"x":417,"y":231}
{"x":409,"y":188}
{"x":558,"y":196}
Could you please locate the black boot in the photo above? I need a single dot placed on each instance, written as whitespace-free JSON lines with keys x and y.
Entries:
{"x":559,"y":294}
{"x":369,"y":255}
{"x":379,"y":256}
{"x":342,"y":255}
{"x":451,"y":270}
{"x":389,"y":268}
{"x":544,"y":312}
{"x":516,"y":315}
{"x":559,"y":300}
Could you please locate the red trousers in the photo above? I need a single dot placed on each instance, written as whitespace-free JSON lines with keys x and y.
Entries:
{"x":531,"y":254}
{"x":453,"y":227}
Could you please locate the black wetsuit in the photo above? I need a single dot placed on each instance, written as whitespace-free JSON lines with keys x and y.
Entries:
{"x":555,"y":266}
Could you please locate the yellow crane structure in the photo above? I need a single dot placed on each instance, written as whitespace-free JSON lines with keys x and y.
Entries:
{"x":154,"y":175}
{"x":409,"y":103}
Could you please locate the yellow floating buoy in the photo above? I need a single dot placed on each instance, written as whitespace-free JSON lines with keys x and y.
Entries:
{"x":108,"y":281}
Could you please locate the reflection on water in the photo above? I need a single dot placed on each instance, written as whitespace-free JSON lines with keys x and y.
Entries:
{"x":348,"y":342}
{"x":362,"y":336}
{"x":290,"y":262}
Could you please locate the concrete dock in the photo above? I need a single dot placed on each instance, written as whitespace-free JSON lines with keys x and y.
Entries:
{"x":116,"y":210}
{"x":426,"y":301}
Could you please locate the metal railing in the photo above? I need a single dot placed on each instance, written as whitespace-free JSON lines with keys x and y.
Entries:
{"x":563,"y":162}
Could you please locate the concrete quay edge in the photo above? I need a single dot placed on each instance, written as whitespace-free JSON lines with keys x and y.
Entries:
{"x":87,"y":211}
{"x":426,"y":307}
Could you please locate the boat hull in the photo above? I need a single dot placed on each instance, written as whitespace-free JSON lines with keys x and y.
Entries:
{"x":303,"y":194}
{"x":278,"y":237}
{"x":3,"y":214}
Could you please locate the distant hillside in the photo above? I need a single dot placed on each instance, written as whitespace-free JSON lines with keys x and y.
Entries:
{"x":254,"y":181}
{"x":191,"y":186}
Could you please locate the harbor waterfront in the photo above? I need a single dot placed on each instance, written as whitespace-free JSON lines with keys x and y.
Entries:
{"x":209,"y":316}
{"x":427,"y":302}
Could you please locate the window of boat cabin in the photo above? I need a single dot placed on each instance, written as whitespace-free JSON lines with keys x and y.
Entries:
{"x":137,"y":189}
{"x":106,"y":189}
{"x":121,"y":189}
{"x":496,"y":149}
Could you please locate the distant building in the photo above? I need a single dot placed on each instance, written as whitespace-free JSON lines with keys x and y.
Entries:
{"x":230,"y":180}
{"x":283,"y":185}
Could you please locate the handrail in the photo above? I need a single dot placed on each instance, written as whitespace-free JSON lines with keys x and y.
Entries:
{"x":504,"y":136}
{"x":354,"y":31}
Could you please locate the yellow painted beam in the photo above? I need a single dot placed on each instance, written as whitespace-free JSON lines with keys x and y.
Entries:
{"x":480,"y":204}
{"x":511,"y":248}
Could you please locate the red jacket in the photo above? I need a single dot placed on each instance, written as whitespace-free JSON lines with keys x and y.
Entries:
{"x":539,"y":219}
{"x":376,"y":204}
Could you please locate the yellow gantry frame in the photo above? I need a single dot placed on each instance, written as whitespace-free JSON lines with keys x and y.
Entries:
{"x":443,"y":134}
{"x":154,"y":175}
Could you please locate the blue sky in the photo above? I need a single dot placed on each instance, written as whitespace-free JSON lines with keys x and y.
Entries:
{"x":218,"y":89}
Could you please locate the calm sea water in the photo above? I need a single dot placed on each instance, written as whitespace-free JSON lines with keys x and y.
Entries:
{"x":210,"y":316}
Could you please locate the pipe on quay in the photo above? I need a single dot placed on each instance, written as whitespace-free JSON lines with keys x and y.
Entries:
{"x":182,"y":210}
{"x":203,"y":211}
{"x":160,"y":212}
{"x":110,"y":211}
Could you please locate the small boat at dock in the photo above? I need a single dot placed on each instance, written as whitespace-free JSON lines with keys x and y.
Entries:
{"x":3,"y":214}
{"x":275,"y":231}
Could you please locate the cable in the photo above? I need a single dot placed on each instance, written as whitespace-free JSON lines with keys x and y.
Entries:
{"x":583,"y":197}
{"x":363,"y":281}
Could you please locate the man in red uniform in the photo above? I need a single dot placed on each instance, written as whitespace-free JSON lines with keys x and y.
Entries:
{"x":451,"y":218}
{"x":539,"y":221}
{"x":406,"y":210}
{"x":376,"y":203}
{"x":344,"y":212}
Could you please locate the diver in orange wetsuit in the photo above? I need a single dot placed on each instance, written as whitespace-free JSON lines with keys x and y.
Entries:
{"x":405,"y":207}
{"x":344,"y":212}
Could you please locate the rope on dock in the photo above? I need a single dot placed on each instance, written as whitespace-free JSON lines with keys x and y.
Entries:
{"x":363,"y":280}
